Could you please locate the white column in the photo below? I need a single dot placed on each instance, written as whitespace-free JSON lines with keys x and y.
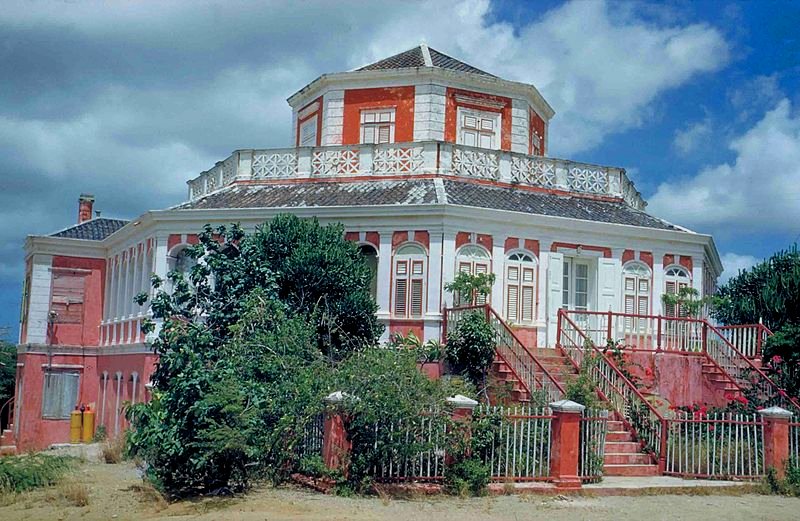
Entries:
{"x":384,"y":280}
{"x":116,"y":404}
{"x":332,"y":117}
{"x":448,"y":265}
{"x":498,"y":268}
{"x":658,"y":282}
{"x":39,"y":298}
{"x":697,"y":274}
{"x":433,"y":315}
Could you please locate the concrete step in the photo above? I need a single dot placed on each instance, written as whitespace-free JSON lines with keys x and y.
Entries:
{"x":630,"y":470}
{"x":618,"y":436}
{"x":626,"y":458}
{"x":619,"y":447}
{"x":8,"y":450}
{"x":615,"y":425}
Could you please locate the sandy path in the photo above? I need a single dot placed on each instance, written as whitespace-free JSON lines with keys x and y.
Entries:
{"x":115,"y":493}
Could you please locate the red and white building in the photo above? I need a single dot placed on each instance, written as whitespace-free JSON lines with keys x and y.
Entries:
{"x":433,"y":166}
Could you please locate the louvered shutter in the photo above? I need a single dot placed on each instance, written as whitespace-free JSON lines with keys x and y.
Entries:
{"x":416,"y":298}
{"x":384,"y":134}
{"x":670,"y":290}
{"x":527,"y":303}
{"x":60,"y":394}
{"x":400,"y":297}
{"x":479,"y":269}
{"x":67,"y":296}
{"x":512,"y":302}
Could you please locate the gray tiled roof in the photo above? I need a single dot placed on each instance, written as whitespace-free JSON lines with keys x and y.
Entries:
{"x":95,"y":229}
{"x":414,"y":58}
{"x":422,"y":192}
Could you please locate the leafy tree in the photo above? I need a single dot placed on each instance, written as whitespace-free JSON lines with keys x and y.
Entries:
{"x":8,"y":374}
{"x":688,"y":301}
{"x":469,"y":289}
{"x":245,"y":346}
{"x":769,"y":292}
{"x":471,"y":347}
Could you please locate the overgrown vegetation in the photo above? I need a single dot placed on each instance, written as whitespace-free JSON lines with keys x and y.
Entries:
{"x":769,"y":292}
{"x":251,"y":341}
{"x":789,"y":485}
{"x":470,"y":289}
{"x":582,"y":389}
{"x":471,"y":348}
{"x":21,"y":473}
{"x":8,"y":372}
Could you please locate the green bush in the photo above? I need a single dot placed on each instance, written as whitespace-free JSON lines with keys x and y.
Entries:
{"x":20,"y":473}
{"x":471,"y":348}
{"x":470,"y":476}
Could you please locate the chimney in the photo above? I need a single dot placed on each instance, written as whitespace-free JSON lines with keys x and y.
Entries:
{"x":85,"y":202}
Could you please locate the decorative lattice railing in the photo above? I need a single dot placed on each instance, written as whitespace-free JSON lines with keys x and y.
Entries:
{"x":416,"y":158}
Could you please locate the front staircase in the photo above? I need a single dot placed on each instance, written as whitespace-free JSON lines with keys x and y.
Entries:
{"x":623,"y":454}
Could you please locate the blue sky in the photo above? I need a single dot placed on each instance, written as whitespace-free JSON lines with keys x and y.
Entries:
{"x":698,"y":100}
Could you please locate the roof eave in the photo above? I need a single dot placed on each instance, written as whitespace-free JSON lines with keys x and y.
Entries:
{"x":478,"y":80}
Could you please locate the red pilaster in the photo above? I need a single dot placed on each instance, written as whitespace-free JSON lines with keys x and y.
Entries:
{"x":776,"y":439}
{"x":335,"y":445}
{"x":564,"y":445}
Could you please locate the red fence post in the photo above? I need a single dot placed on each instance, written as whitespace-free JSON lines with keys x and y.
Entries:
{"x":335,"y":445}
{"x":658,"y":337}
{"x":662,"y":447}
{"x":608,"y":327}
{"x":558,"y":328}
{"x":776,"y":438}
{"x":565,"y":444}
{"x":463,"y":408}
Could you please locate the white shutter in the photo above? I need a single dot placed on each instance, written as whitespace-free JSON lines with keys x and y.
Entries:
{"x":384,"y":134}
{"x":527,"y":303}
{"x":555,"y":272}
{"x":512,"y":302}
{"x":308,"y":133}
{"x":608,"y":275}
{"x":400,"y":296}
{"x":416,"y":298}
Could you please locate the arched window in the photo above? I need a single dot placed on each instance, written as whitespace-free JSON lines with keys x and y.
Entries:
{"x":520,"y":287}
{"x":635,"y":293}
{"x":371,"y":258}
{"x":675,"y":278}
{"x":472,"y":259}
{"x":179,"y":260}
{"x":409,"y":281}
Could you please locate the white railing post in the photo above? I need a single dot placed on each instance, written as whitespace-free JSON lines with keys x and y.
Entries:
{"x":505,"y":167}
{"x":366,"y":155}
{"x":244,"y":167}
{"x":304,"y":161}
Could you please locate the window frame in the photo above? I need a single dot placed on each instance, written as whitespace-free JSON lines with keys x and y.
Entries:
{"x":568,"y":284}
{"x":472,"y":262}
{"x":521,"y":285}
{"x":638,"y":272}
{"x":497,"y":124}
{"x":376,"y":124}
{"x":312,"y":122}
{"x":682,"y":280}
{"x":60,"y":414}
{"x":410,"y":277}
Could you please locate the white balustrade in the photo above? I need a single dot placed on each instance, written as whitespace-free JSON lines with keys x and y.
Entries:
{"x":428,"y":157}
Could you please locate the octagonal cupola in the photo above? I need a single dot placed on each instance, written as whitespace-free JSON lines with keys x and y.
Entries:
{"x":420,"y":95}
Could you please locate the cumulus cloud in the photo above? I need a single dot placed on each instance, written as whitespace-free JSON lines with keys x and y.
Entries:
{"x":759,"y":191}
{"x":733,"y":263}
{"x":688,"y":140}
{"x":129,"y":100}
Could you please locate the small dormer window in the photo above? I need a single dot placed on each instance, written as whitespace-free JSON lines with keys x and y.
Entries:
{"x":477,"y":128}
{"x":308,"y":132}
{"x":377,"y":126}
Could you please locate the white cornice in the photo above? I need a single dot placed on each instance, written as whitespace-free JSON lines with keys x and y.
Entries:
{"x":423,"y":74}
{"x":36,"y":244}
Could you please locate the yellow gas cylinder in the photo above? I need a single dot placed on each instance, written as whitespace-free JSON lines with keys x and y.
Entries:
{"x":75,"y":426}
{"x":88,"y":426}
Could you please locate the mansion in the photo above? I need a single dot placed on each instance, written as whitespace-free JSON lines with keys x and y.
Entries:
{"x":434,"y":167}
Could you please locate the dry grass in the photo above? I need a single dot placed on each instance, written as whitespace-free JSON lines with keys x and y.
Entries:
{"x":149,"y":495}
{"x":75,"y":493}
{"x":113,"y":450}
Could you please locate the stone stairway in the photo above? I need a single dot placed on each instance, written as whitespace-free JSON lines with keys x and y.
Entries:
{"x":720,"y":380}
{"x":7,"y":446}
{"x":623,"y":456}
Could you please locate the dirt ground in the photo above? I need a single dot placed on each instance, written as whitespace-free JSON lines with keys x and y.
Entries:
{"x":116,"y":493}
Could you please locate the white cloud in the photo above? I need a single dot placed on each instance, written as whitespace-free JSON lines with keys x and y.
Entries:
{"x":758,"y":192}
{"x":733,"y":263}
{"x":688,"y":140}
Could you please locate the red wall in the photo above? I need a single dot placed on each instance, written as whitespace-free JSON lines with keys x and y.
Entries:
{"x":356,"y":100}
{"x":451,"y":114}
{"x":87,"y":333}
{"x":538,"y":125}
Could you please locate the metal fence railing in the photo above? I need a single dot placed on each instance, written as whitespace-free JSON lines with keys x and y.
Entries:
{"x":520,"y":446}
{"x":411,"y":449}
{"x":716,"y":446}
{"x":594,"y":425}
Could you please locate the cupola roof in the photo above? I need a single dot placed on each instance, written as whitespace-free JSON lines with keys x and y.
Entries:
{"x":423,"y":56}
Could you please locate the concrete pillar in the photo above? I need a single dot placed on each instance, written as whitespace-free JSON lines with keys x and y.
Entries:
{"x":433,"y":310}
{"x":776,"y":438}
{"x":335,"y":445}
{"x":565,"y":444}
{"x":462,"y":416}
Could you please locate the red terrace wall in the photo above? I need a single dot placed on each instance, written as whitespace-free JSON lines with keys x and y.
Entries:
{"x":399,"y":238}
{"x":86,"y":333}
{"x":420,"y":236}
{"x":141,"y":363}
{"x":451,"y":114}
{"x":556,"y":245}
{"x":405,"y":326}
{"x":526,"y":335}
{"x":538,"y":125}
{"x":462,"y":238}
{"x":356,"y":100}
{"x":676,"y":377}
{"x":647,"y":258}
{"x":512,"y":243}
{"x":36,"y":432}
{"x":686,"y":262}
{"x":317,"y":113}
{"x":669,"y":259}
{"x":486,"y":241}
